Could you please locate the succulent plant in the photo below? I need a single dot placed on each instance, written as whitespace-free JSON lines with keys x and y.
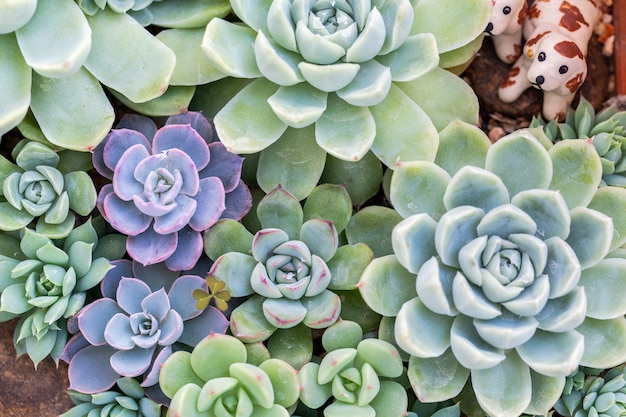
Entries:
{"x":36,"y":189}
{"x":168,"y":185}
{"x":504,"y":277}
{"x":356,"y":376}
{"x":354,"y":74}
{"x":600,"y":395}
{"x":606,"y":130}
{"x":45,"y":283}
{"x":54,"y":59}
{"x":215,"y":380}
{"x":145,"y":315}
{"x":288,"y":268}
{"x":129,"y":401}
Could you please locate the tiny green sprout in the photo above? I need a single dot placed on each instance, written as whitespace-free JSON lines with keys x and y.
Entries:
{"x":217,"y":292}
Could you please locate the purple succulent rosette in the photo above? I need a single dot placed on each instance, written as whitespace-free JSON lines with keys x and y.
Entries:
{"x":168,"y":185}
{"x":146,"y":313}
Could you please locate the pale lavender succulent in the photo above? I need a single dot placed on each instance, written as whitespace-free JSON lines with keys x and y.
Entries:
{"x":168,"y":185}
{"x":146,"y":314}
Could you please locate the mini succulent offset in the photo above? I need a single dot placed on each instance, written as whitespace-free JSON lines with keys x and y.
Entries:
{"x":129,"y":401}
{"x":37,"y":190}
{"x":45,"y":283}
{"x":215,"y":380}
{"x":135,"y":327}
{"x":514,"y":286}
{"x":168,"y":185}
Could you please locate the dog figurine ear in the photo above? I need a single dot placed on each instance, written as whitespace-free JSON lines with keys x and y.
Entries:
{"x":505,"y":28}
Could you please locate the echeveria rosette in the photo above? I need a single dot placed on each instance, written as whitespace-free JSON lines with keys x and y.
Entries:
{"x":146,"y":313}
{"x":168,"y":185}
{"x":514,"y":287}
{"x":342,"y":68}
{"x":215,"y":379}
{"x":35,"y":189}
{"x":129,"y":400}
{"x":289,"y":268}
{"x":45,"y":283}
{"x":54,"y":60}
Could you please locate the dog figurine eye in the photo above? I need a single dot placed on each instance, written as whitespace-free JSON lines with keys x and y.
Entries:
{"x":563,"y":69}
{"x":506,"y":10}
{"x":541,"y":56}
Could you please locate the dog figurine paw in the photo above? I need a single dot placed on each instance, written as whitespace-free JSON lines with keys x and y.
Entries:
{"x":505,"y":28}
{"x":554,"y":59}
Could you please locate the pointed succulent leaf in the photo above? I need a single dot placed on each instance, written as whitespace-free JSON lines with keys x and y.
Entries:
{"x":322,"y":310}
{"x":434,"y":286}
{"x":294,"y":161}
{"x":56,"y":40}
{"x":553,"y":354}
{"x":333,"y":363}
{"x":13,"y":300}
{"x":174,"y":100}
{"x":255,"y":381}
{"x":214,"y":355}
{"x":470,"y":349}
{"x":321,"y":238}
{"x":329,"y":202}
{"x":235,"y":269}
{"x":213,"y":390}
{"x":284,"y":381}
{"x":386,"y":285}
{"x":277,"y":64}
{"x":397,"y":142}
{"x":299,"y":105}
{"x":391,"y":400}
{"x":461,"y":144}
{"x":564,"y":313}
{"x":184,"y":401}
{"x":221,"y":38}
{"x":12,"y":218}
{"x":415,"y":57}
{"x":547,"y":209}
{"x":16,"y":14}
{"x":603,"y":285}
{"x":437,"y":379}
{"x":81,"y":192}
{"x":369,"y":87}
{"x":283,"y":313}
{"x":248,"y":323}
{"x":196,"y":13}
{"x":361,"y":179}
{"x":16,"y":80}
{"x":604,"y":341}
{"x":382,"y":356}
{"x":413,"y":241}
{"x":590,"y":235}
{"x":457,"y":227}
{"x":329,"y":78}
{"x":177,"y":372}
{"x":280,"y":209}
{"x":545,"y":393}
{"x":226,"y":236}
{"x":477,"y":187}
{"x":90,"y":370}
{"x":419,"y":187}
{"x":312,"y":393}
{"x":347,"y":266}
{"x":610,"y":201}
{"x":420,"y":332}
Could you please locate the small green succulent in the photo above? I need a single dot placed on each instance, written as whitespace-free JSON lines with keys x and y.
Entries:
{"x":606,"y":130}
{"x":41,"y":187}
{"x":44,"y":282}
{"x":216,"y":380}
{"x":129,"y":401}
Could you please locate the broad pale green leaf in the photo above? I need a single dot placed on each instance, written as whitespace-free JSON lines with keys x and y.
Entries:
{"x":505,"y":389}
{"x":214,"y":355}
{"x":604,"y":285}
{"x":329,"y":202}
{"x":175,"y":100}
{"x":59,"y":106}
{"x":248,"y":323}
{"x":461,"y":144}
{"x":210,"y":98}
{"x":329,"y":77}
{"x":299,"y":105}
{"x":81,"y":192}
{"x":361,"y":178}
{"x":227,"y":236}
{"x":235,"y":269}
{"x":419,"y":187}
{"x":437,"y":379}
{"x":342,"y":334}
{"x":347,"y":266}
{"x":521,"y":162}
{"x":460,"y":57}
{"x":475,"y":187}
{"x":57,"y":39}
{"x":294,"y":161}
{"x":546,"y":392}
{"x":604,"y":342}
{"x":194,"y":13}
{"x":413,"y":241}
{"x":185,"y":400}
{"x":611,"y":201}
{"x":577,"y":171}
{"x":373,"y":225}
{"x":391,"y":400}
{"x":553,"y":354}
{"x":281,"y":345}
{"x":386,"y":285}
{"x":13,"y":300}
{"x":320,"y":236}
{"x":284,"y":381}
{"x":463,"y":24}
{"x":230,"y":48}
{"x":415,"y":57}
{"x":247,"y":123}
{"x":279,"y":209}
{"x":590,"y":235}
{"x":443,"y":96}
{"x":141,"y":70}
{"x":421,"y":332}
{"x":397,"y":141}
{"x":15,"y":81}
{"x":345,"y":131}
{"x":312,"y":394}
{"x":369,"y":87}
{"x":548,"y":209}
{"x":276,"y":63}
{"x":12,"y":218}
{"x":15,"y":14}
{"x":252,"y":12}
{"x":192,"y":66}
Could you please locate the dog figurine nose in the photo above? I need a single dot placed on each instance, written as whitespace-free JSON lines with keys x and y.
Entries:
{"x":540,"y":79}
{"x":489,"y":27}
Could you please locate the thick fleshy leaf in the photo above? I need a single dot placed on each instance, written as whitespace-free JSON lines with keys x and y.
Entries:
{"x":281,"y":346}
{"x":419,"y":187}
{"x":503,"y":390}
{"x":470,"y":349}
{"x":283,"y":313}
{"x":564,"y":313}
{"x":174,"y":100}
{"x":547,"y":209}
{"x":279,"y":209}
{"x":132,"y":362}
{"x":369,"y":87}
{"x":221,"y":38}
{"x":347,"y":266}
{"x":277,"y":64}
{"x":361,"y":179}
{"x":184,"y":138}
{"x":56,"y":40}
{"x":373,"y":226}
{"x":124,"y":215}
{"x":415,"y":57}
{"x":247,"y":123}
{"x":58,"y":105}
{"x":150,"y":247}
{"x":396,"y":142}
{"x":590,"y":235}
{"x":611,"y":201}
{"x":211,"y":320}
{"x":506,"y":220}
{"x":437,"y":379}
{"x":284,"y":381}
{"x":461,"y":144}
{"x":13,"y":300}
{"x":456,"y":228}
{"x":210,"y":204}
{"x":577,"y":171}
{"x":546,"y":391}
{"x":420,"y":332}
{"x":294,"y":161}
{"x":434,"y":287}
{"x":214,"y":355}
{"x":386,"y":285}
{"x":196,"y":13}
{"x":473,"y":186}
{"x":553,"y":354}
{"x":457,"y":60}
{"x":321,"y":238}
{"x":81,"y":192}
{"x":235,"y":269}
{"x":299,"y":105}
{"x":329,"y":77}
{"x":12,"y":218}
{"x":15,"y":76}
{"x":370,"y":39}
{"x":562,"y":267}
{"x":604,"y":342}
{"x":604,"y":284}
{"x":16,"y":14}
{"x":322,"y":310}
{"x":329,"y":202}
{"x":516,"y":153}
{"x":226,"y":236}
{"x":402,"y":14}
{"x":413,"y":241}
{"x":391,"y":400}
{"x":152,"y":62}
{"x":248,"y":323}
{"x":90,"y":370}
{"x":312,"y":394}
{"x":224,"y":165}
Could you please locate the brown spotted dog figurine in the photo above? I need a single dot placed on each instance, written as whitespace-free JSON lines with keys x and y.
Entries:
{"x":557,"y":34}
{"x":505,"y":28}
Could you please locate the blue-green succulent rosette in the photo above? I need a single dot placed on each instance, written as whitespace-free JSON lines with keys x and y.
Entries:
{"x":340,"y":77}
{"x":502,"y":273}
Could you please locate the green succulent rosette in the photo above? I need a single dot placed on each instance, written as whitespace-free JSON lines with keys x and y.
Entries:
{"x":501,"y":274}
{"x":356,"y":74}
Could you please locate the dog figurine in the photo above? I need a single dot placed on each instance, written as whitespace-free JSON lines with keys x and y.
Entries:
{"x":557,"y":34}
{"x":505,"y":28}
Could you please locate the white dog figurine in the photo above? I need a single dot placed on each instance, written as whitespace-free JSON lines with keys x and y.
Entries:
{"x":557,"y":34}
{"x":505,"y":28}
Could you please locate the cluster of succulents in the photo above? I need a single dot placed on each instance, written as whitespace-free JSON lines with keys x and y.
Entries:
{"x":220,"y":208}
